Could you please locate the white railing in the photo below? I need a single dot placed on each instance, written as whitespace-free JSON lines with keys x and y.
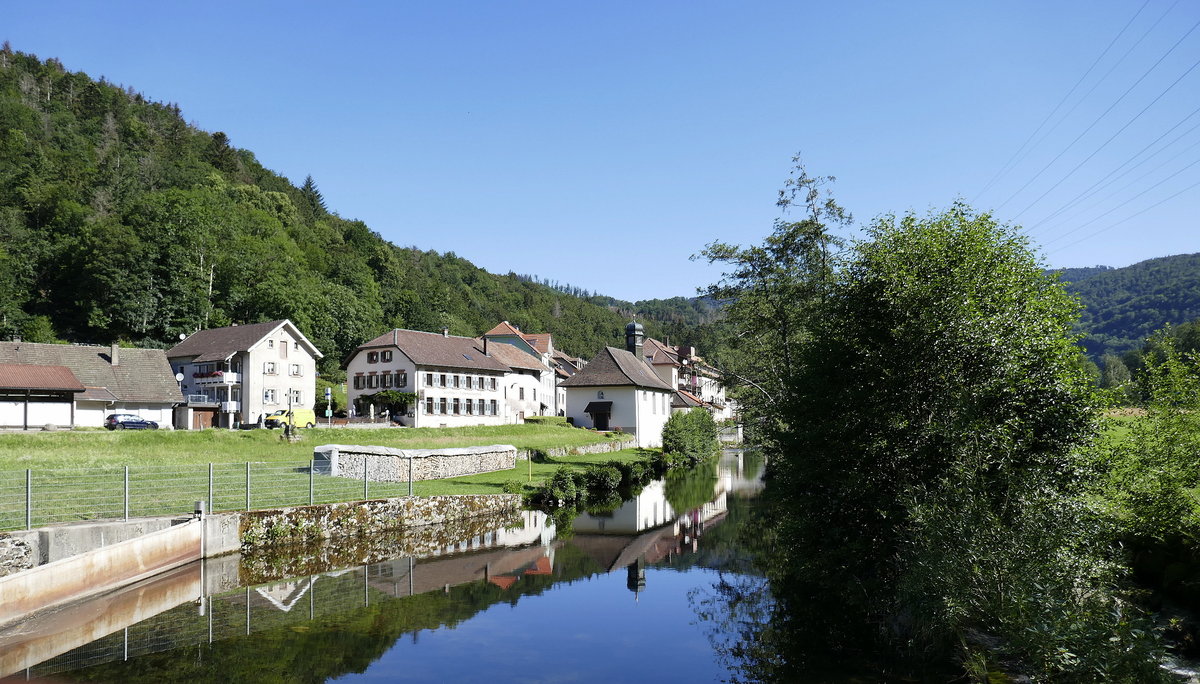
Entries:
{"x":225,"y":378}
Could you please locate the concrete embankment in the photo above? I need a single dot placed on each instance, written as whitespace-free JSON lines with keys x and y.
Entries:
{"x":99,"y":557}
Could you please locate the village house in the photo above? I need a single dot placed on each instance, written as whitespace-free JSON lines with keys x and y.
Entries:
{"x":456,"y":380}
{"x":79,"y":385}
{"x":540,"y":345}
{"x":696,"y":382}
{"x":235,"y":375}
{"x":617,"y":389}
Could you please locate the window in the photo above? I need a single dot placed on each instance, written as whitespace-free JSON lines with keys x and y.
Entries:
{"x":455,"y":380}
{"x":470,"y":382}
{"x":269,"y":368}
{"x":492,"y":384}
{"x":373,"y":357}
{"x":442,"y":380}
{"x":535,"y":394}
{"x":372,"y":381}
{"x":522,"y":394}
{"x":442,"y":405}
{"x":429,"y":405}
{"x":600,"y":394}
{"x":385,"y":380}
{"x":492,"y":408}
{"x":400,"y":379}
{"x":457,"y":408}
{"x":479,"y":384}
{"x":385,"y":356}
{"x":429,"y":379}
{"x":283,"y":345}
{"x":296,"y":396}
{"x":358,"y":382}
{"x":470,"y":407}
{"x":269,"y":397}
{"x":270,"y":344}
{"x":294,"y":369}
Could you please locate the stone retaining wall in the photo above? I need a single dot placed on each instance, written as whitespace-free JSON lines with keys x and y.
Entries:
{"x":384,"y":464}
{"x":605,"y":447}
{"x":310,"y":523}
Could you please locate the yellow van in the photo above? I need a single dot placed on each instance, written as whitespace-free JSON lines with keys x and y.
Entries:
{"x":300,"y":417}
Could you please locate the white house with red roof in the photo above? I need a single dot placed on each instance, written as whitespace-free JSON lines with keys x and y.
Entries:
{"x":540,"y":345}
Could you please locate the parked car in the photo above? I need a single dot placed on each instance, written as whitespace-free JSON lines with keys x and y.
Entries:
{"x":128,"y":421}
{"x":300,"y":417}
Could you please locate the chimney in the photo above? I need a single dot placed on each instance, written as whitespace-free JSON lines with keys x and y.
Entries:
{"x":445,"y":331}
{"x":485,"y":351}
{"x":114,"y":354}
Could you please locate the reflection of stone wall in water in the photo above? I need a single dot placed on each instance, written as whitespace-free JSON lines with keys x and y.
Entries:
{"x":309,"y":523}
{"x":269,"y":563}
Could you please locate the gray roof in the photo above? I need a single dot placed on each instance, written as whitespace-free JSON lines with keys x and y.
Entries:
{"x":141,"y":375}
{"x":615,"y":367}
{"x":434,"y":349}
{"x":218,"y":344}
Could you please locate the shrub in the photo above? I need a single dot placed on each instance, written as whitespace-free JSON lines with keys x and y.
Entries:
{"x":513,"y":487}
{"x":691,"y":435}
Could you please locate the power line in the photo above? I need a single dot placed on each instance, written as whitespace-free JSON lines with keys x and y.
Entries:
{"x":1131,"y":199}
{"x":1127,"y":218}
{"x":1113,"y":136}
{"x":1009,"y":164}
{"x":1102,"y":115}
{"x":1097,"y":187}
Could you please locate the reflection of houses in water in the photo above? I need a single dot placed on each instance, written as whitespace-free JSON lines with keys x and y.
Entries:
{"x":644,"y":531}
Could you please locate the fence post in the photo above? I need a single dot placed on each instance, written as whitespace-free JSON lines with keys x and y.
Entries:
{"x":366,"y":457}
{"x":127,"y":492}
{"x":210,"y":488}
{"x":410,"y":474}
{"x":312,"y":465}
{"x":28,"y":499}
{"x":247,"y":499}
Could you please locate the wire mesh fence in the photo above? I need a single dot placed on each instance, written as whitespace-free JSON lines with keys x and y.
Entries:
{"x":45,"y":496}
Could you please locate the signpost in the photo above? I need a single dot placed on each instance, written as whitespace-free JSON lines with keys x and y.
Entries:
{"x":329,"y":405}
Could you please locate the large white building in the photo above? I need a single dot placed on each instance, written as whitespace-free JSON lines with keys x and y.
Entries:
{"x":617,"y":389}
{"x":456,"y":380}
{"x":237,"y":374}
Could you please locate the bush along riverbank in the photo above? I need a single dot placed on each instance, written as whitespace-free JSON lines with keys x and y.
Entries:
{"x":689,"y":440}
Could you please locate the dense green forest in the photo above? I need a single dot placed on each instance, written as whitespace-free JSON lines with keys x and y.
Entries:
{"x":1124,"y":306}
{"x":120,"y":221}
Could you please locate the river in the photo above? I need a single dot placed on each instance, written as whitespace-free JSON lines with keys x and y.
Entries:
{"x":628,"y":594}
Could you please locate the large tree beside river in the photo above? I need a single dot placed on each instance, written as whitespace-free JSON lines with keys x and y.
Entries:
{"x":927,"y":442}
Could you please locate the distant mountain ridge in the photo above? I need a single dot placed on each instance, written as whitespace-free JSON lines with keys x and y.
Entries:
{"x":1124,"y":306}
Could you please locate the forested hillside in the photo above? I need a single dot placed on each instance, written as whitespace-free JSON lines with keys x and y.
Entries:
{"x":1124,"y":306}
{"x":120,"y":221}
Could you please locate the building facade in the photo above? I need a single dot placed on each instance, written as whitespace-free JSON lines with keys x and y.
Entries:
{"x":235,"y":375}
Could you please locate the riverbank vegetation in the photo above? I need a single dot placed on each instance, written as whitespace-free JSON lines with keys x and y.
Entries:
{"x":944,"y":505}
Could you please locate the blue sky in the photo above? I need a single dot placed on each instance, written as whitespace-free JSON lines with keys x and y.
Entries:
{"x":601,"y":144}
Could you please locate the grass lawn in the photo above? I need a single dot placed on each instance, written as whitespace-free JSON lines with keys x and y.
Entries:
{"x":95,"y":448}
{"x":81,"y":475}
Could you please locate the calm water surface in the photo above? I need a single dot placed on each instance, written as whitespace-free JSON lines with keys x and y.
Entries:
{"x":614,"y":598}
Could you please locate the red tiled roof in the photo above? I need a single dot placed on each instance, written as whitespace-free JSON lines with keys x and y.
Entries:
{"x":513,"y":357}
{"x":504,"y":328}
{"x":22,"y":376}
{"x":539,"y":342}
